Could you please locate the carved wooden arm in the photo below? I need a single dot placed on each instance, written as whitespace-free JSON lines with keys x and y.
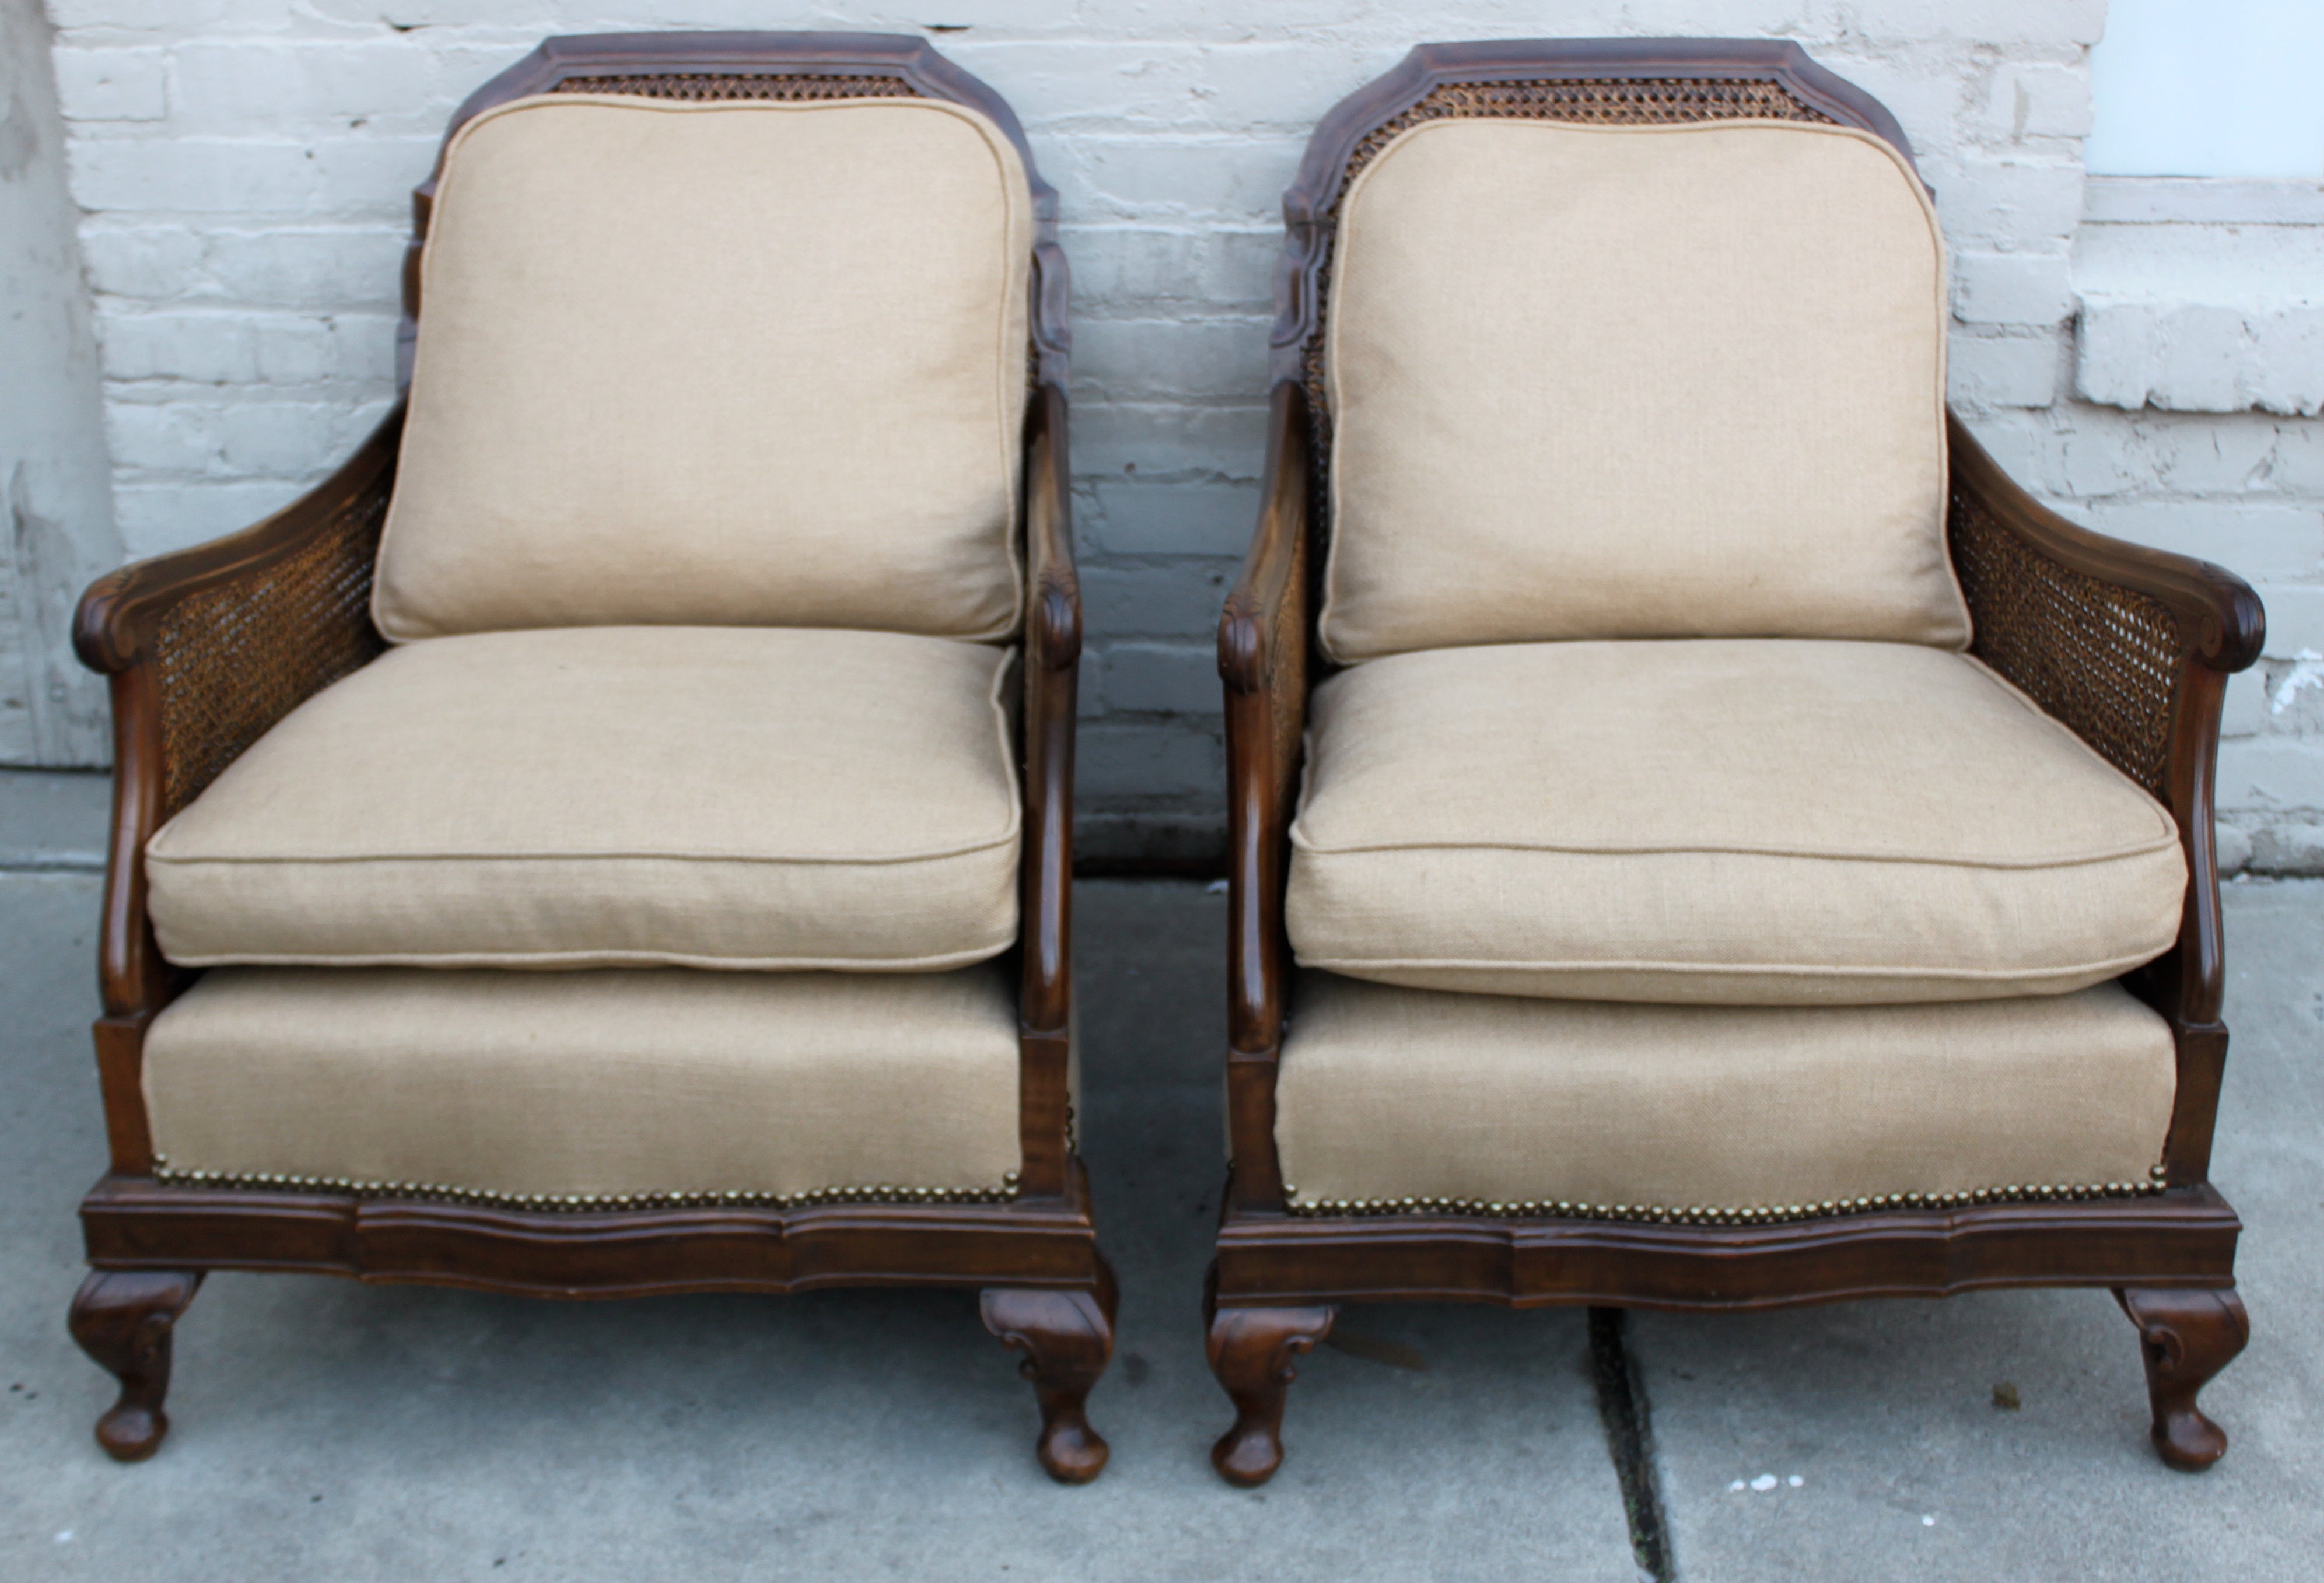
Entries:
{"x":1053,"y":648}
{"x":1263,"y":660}
{"x":210,"y":647}
{"x":2131,"y":649}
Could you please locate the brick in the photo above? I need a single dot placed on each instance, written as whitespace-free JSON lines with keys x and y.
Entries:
{"x":1239,"y":181}
{"x":2268,"y":773}
{"x":158,"y":517}
{"x":2012,"y":288}
{"x":2006,"y":205}
{"x":2226,"y":454}
{"x":333,"y":267}
{"x":2295,"y":620}
{"x":193,"y":175}
{"x":1987,"y":22}
{"x":1209,"y":268}
{"x":233,"y":85}
{"x":1176,"y":519}
{"x":2035,"y":100}
{"x":1166,"y":439}
{"x":2298,"y":462}
{"x":1164,"y":760}
{"x":1181,"y":601}
{"x":1164,"y":678}
{"x":2017,"y":371}
{"x":279,"y":438}
{"x":152,"y":262}
{"x":2251,"y":539}
{"x":112,"y":85}
{"x":1131,"y":360}
{"x":2243,"y":711}
{"x":210,"y":348}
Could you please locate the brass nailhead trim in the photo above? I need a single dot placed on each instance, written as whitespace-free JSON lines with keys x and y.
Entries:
{"x":1740,"y":1215}
{"x":587,"y":1201}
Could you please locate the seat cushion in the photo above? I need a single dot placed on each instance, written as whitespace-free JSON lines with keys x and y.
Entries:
{"x":1660,"y":382}
{"x":1748,"y":822}
{"x":606,"y":1082}
{"x":711,"y":796}
{"x":1388,"y":1093}
{"x":737,"y":364}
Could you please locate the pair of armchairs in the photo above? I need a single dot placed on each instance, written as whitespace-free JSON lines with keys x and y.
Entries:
{"x":1700,"y":837}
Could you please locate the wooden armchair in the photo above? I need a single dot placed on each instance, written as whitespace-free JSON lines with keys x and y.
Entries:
{"x":720,"y":657}
{"x":1702,"y":837}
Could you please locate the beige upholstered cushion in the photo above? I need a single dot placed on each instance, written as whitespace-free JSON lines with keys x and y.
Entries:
{"x":1663,"y":381}
{"x":735,"y":364}
{"x":609,"y":1081}
{"x":712,"y":796}
{"x":1753,"y":822}
{"x":1388,"y":1093}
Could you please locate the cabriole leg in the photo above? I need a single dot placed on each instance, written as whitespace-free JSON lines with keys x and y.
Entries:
{"x":1251,"y":1349}
{"x":123,"y":1319}
{"x":1067,"y":1339}
{"x":2187,"y":1337}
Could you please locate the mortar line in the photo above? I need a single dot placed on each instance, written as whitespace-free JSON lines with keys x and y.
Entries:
{"x":1628,"y":1419}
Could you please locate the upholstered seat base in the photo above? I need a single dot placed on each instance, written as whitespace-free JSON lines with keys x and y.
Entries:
{"x":598,"y":796}
{"x":1388,"y":1094}
{"x":517,"y":1086}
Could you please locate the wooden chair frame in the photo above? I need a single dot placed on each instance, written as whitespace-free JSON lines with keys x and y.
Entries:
{"x":208,"y":648}
{"x":2131,"y":648}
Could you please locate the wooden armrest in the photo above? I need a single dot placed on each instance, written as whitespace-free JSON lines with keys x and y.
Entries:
{"x":207,"y":649}
{"x":1053,"y":647}
{"x":1263,"y":661}
{"x":2131,"y":649}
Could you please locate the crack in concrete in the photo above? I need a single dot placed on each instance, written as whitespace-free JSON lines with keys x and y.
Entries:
{"x":1628,"y":1419}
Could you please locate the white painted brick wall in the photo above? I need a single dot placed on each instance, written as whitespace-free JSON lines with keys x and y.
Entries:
{"x":244,"y":164}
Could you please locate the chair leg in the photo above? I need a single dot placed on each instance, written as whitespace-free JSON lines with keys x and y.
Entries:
{"x":1067,"y":1339}
{"x":1251,"y":1349}
{"x":123,"y":1319}
{"x":2187,"y":1337}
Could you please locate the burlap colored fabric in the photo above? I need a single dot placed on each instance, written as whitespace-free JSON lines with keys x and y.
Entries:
{"x":1642,"y":381}
{"x":1746,"y":821}
{"x":610,"y":1081}
{"x":1386,"y":1093}
{"x":710,"y":797}
{"x":741,"y":363}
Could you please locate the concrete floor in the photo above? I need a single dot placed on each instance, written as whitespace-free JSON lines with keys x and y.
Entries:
{"x":327,"y":1428}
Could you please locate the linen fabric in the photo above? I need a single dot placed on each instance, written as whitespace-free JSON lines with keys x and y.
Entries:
{"x":744,"y":364}
{"x":1738,"y":821}
{"x":610,"y":1081}
{"x":729,"y":797}
{"x":1389,"y":1092}
{"x":1664,"y":381}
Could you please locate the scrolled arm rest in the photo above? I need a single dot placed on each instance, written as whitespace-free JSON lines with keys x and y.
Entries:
{"x":1053,"y":647}
{"x":1263,"y":662}
{"x":2131,"y":649}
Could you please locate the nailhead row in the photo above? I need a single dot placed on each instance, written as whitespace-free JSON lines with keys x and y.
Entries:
{"x":437,"y":1192}
{"x":1696,"y":1215}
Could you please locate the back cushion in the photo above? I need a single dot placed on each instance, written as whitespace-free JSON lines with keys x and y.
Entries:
{"x":1660,"y":382}
{"x":735,"y":364}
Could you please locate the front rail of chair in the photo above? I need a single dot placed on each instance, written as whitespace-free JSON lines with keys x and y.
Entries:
{"x":205,"y":650}
{"x":1263,"y":661}
{"x":2130,"y":648}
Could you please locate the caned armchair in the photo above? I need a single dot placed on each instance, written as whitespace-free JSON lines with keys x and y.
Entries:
{"x":613,"y":836}
{"x":1702,"y":837}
